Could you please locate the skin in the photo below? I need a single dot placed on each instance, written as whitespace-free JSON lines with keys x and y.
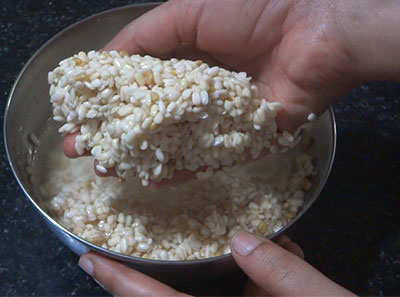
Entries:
{"x":274,"y":269}
{"x":277,"y":44}
{"x":302,"y":53}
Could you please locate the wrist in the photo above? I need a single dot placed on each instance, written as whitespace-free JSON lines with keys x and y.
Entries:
{"x":371,"y":31}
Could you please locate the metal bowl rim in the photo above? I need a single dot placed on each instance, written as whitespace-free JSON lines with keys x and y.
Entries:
{"x":107,"y":252}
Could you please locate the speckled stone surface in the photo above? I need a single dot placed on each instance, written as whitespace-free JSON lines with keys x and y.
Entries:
{"x":352,"y":233}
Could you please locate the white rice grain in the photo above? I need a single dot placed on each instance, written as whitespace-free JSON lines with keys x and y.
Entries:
{"x":178,"y":100}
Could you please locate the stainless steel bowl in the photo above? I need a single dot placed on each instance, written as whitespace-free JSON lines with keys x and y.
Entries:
{"x":28,"y":109}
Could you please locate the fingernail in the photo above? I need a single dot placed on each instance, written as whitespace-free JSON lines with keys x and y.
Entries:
{"x":86,"y":265}
{"x":244,"y":243}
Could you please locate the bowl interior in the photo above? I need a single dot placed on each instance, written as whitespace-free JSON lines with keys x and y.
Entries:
{"x":29,"y":107}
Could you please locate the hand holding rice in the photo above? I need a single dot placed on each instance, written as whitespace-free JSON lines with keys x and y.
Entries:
{"x":148,"y":118}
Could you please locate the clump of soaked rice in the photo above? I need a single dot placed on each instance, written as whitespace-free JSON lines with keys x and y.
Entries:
{"x":148,"y":117}
{"x":195,"y":221}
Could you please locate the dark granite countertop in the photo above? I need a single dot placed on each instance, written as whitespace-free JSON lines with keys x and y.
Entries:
{"x":352,"y":232}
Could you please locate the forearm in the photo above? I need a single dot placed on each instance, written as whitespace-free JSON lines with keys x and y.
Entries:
{"x":372,"y":30}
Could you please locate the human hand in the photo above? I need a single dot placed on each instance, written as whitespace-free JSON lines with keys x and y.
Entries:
{"x":304,"y":54}
{"x":180,"y":176}
{"x":274,"y":269}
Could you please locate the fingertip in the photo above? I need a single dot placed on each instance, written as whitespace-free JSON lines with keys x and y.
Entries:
{"x":244,"y":243}
{"x":289,"y":245}
{"x":102,"y":171}
{"x":115,"y":45}
{"x":125,"y":40}
{"x":69,"y":145}
{"x":282,"y":240}
{"x":86,"y":264}
{"x":294,"y":248}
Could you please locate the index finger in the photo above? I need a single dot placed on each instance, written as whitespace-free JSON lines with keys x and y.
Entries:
{"x":120,"y":280}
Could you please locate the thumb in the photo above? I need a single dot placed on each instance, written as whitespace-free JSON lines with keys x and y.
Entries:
{"x":279,"y":272}
{"x":159,"y":31}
